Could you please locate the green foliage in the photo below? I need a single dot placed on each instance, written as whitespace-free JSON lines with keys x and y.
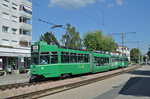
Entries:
{"x":134,"y":54}
{"x":46,"y":37}
{"x":21,"y":69}
{"x":96,"y":41}
{"x":108,"y":43}
{"x":71,"y":38}
{"x":90,"y":40}
{"x":148,"y":52}
{"x":6,"y":46}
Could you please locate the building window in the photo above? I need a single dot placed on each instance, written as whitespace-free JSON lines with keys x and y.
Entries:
{"x":14,"y":31}
{"x":5,"y":15}
{"x":6,"y":3}
{"x":14,"y":41}
{"x":5,"y":29}
{"x":14,"y":18}
{"x":23,"y":43}
{"x":5,"y":41}
{"x":14,"y":6}
{"x":25,"y":9}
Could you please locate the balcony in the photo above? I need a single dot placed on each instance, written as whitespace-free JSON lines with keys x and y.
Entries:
{"x":26,"y":2}
{"x":24,"y":14}
{"x":25,"y":11}
{"x":25,"y":38}
{"x":25,"y":26}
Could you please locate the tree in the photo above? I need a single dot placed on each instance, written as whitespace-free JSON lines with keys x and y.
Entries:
{"x":108,"y":43}
{"x":47,"y":38}
{"x":135,"y":54}
{"x":91,"y":40}
{"x":148,"y":52}
{"x":96,"y":41}
{"x":71,"y":38}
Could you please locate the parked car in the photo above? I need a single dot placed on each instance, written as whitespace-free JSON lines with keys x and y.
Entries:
{"x":1,"y":68}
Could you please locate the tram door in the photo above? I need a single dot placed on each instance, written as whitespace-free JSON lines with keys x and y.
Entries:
{"x":1,"y":67}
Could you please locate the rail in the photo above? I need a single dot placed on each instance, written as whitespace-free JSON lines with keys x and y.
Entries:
{"x":54,"y":90}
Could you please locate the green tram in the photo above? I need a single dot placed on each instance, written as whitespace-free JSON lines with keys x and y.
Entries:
{"x":48,"y":61}
{"x":124,"y":62}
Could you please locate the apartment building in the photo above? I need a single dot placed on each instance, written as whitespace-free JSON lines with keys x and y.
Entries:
{"x":126,"y":51}
{"x":15,"y":32}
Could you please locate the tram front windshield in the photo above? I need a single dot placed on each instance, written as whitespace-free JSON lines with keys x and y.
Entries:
{"x":35,"y":58}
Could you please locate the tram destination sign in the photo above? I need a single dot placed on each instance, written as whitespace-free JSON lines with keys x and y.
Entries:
{"x":35,"y":48}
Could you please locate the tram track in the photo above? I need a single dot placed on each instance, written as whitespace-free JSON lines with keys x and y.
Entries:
{"x":19,"y":85}
{"x":54,"y":90}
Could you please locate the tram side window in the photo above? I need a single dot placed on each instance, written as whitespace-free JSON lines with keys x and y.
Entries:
{"x":112,"y":59}
{"x":126,"y":59}
{"x":121,"y":59}
{"x":96,"y":61}
{"x":102,"y":61}
{"x":107,"y":60}
{"x":64,"y":57}
{"x":99,"y":61}
{"x":80,"y":58}
{"x":44,"y":58}
{"x":116,"y":59}
{"x":86,"y":58}
{"x":73,"y":57}
{"x":54,"y":57}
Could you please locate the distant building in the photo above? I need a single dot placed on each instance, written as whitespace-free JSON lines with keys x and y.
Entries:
{"x":15,"y":32}
{"x":126,"y":51}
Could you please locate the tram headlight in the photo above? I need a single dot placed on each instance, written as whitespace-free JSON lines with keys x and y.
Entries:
{"x":34,"y":70}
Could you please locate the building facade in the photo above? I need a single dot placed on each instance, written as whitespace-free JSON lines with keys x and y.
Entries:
{"x":15,"y":32}
{"x":126,"y":51}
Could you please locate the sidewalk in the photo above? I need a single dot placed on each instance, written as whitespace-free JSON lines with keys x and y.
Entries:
{"x":14,"y":78}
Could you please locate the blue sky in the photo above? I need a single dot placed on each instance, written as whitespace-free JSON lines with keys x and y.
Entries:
{"x":119,"y":16}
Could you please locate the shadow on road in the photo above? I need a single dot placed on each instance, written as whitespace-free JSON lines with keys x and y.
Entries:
{"x":137,"y":86}
{"x":140,"y":72}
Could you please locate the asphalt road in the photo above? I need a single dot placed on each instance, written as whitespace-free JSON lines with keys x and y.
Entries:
{"x":133,"y":85}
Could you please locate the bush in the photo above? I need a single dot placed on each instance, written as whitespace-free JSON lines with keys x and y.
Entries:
{"x":2,"y":73}
{"x":21,"y":69}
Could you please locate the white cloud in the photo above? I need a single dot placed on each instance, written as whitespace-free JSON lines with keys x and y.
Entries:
{"x":119,"y":2}
{"x":75,"y":3}
{"x":110,"y":5}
